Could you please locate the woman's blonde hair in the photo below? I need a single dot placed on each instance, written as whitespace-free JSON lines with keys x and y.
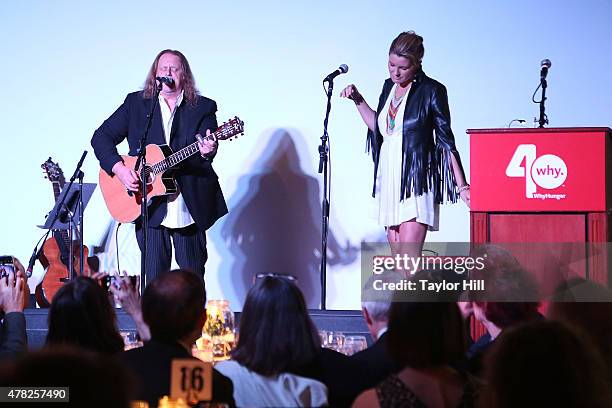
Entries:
{"x":408,"y":45}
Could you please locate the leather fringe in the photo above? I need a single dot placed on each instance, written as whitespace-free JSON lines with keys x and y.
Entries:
{"x":447,"y":185}
{"x":423,"y":171}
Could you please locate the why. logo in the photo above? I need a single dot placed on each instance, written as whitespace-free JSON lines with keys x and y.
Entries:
{"x":547,"y":171}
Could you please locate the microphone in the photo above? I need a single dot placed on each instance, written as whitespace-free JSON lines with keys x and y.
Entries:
{"x":166,"y":80}
{"x":545,"y":65}
{"x":342,"y":69}
{"x":31,"y":262}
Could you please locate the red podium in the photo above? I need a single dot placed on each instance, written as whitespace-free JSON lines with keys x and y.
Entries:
{"x":550,"y":186}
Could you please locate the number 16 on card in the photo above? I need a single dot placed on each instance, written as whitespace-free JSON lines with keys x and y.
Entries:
{"x":191,"y":379}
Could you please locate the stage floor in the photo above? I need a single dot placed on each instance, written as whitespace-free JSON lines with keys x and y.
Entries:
{"x":350,"y":322}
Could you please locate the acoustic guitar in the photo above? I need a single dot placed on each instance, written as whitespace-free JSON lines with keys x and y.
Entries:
{"x":124,"y":206}
{"x":55,"y":252}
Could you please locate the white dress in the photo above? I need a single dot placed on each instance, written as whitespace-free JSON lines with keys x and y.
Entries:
{"x":283,"y":390}
{"x":390,"y":210}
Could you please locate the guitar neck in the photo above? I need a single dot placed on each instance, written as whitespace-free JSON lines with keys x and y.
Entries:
{"x":56,"y":189}
{"x":56,"y":193}
{"x":175,"y":158}
{"x":226,"y":131}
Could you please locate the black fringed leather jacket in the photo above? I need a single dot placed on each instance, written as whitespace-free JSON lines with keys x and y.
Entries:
{"x":426,"y":163}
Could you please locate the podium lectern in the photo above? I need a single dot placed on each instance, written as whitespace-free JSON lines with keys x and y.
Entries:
{"x":551,"y":186}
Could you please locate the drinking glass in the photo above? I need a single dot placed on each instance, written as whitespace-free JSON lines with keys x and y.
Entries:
{"x":335,"y":340}
{"x":354,"y":344}
{"x":323,"y":337}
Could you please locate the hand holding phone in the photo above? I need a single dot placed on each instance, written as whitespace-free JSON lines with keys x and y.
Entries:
{"x":12,"y":292}
{"x":7,"y":265}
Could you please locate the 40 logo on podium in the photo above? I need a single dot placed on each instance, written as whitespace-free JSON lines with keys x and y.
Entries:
{"x":547,"y":171}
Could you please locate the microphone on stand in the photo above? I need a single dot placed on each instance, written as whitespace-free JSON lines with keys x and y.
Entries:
{"x":324,"y":167}
{"x":545,"y":66}
{"x":342,"y":69}
{"x":166,"y":80}
{"x":31,"y":262}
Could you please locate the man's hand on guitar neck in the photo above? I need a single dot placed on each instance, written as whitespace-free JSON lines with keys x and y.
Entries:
{"x":208,"y":145}
{"x":128,"y":176}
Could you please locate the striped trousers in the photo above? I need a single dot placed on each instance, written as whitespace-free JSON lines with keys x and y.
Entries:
{"x":189,"y":244}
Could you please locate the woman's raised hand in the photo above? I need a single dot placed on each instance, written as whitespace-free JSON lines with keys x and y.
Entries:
{"x":352,"y":93}
{"x":367,"y":114}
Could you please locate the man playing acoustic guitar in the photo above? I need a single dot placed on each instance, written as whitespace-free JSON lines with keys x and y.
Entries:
{"x":180,"y":114}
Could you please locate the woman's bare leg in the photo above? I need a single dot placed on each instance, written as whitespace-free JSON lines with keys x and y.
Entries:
{"x":407,"y":240}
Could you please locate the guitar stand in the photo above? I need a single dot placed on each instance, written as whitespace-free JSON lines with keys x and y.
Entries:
{"x":72,"y":200}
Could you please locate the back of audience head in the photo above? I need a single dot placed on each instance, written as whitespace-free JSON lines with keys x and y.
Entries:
{"x":425,"y":333}
{"x":94,"y":381}
{"x":511,"y":293}
{"x":545,"y":364}
{"x":276,"y":332}
{"x":173,"y":305}
{"x":593,"y":316}
{"x":81,"y":315}
{"x":581,"y":290}
{"x":376,"y":303}
{"x":571,"y":305}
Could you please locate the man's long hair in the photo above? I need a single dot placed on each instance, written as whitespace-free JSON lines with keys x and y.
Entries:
{"x":187,"y":80}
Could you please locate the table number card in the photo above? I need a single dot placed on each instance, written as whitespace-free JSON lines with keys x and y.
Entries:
{"x":191,"y":379}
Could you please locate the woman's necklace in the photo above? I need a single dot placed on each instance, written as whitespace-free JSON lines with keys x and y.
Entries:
{"x":393,"y":109}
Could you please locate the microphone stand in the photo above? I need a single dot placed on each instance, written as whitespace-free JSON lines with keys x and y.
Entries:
{"x":543,"y":119}
{"x":325,"y":204}
{"x":141,"y":164}
{"x":81,"y":210}
{"x":77,"y":174}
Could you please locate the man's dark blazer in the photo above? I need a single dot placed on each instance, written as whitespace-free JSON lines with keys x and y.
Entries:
{"x":151,"y":364}
{"x":376,"y":363}
{"x":195,"y":177}
{"x":13,"y":338}
{"x":341,"y":376}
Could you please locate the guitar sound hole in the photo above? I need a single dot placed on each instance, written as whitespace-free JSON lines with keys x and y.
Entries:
{"x":149,"y":175}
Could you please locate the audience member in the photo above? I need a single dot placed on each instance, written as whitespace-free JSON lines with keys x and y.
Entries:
{"x":467,"y":311}
{"x":93,"y":380}
{"x":510,"y":297}
{"x":128,"y":295}
{"x":276,"y":338}
{"x":13,"y":339}
{"x":588,"y":306}
{"x":376,"y":360}
{"x":544,"y":364}
{"x":81,"y":315}
{"x":173,"y":307}
{"x":425,"y":337}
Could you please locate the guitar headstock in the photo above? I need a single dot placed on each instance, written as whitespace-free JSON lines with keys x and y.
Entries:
{"x":53,"y":172}
{"x":230,"y":129}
